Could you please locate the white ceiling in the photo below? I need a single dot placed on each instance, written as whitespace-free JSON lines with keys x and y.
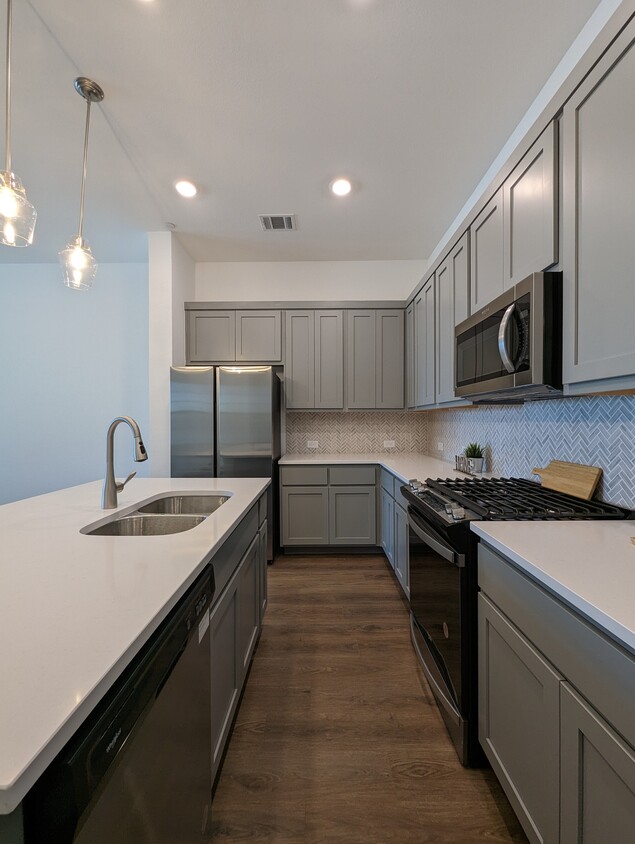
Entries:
{"x":262,"y":103}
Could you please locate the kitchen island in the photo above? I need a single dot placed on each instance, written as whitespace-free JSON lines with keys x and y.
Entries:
{"x":75,"y":609}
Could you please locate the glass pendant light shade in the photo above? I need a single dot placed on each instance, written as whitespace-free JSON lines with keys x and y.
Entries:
{"x":17,"y":215}
{"x":78,"y":265}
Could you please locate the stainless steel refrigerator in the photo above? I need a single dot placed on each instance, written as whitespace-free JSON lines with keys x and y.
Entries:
{"x":225,"y":423}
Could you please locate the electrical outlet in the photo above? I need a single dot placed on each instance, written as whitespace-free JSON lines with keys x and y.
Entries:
{"x":439,"y":446}
{"x":312,"y":444}
{"x":389,"y":443}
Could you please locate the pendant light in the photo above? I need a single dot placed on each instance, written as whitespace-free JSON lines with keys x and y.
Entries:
{"x":17,"y":215}
{"x":77,"y":260}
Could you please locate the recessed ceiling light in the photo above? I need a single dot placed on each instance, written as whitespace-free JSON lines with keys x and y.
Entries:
{"x":341,"y":187}
{"x":186,"y":188}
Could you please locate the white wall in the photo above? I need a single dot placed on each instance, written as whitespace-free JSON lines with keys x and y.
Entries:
{"x":306,"y":280}
{"x":71,"y":362}
{"x":171,"y":283}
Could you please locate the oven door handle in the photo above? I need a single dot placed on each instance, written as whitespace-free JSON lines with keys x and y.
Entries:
{"x":442,"y":550}
{"x":503,"y":348}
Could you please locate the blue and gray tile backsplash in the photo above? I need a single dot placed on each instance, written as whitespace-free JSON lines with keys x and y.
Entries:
{"x":597,"y":430}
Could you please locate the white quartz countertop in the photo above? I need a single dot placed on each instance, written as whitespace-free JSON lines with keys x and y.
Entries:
{"x":75,"y":609}
{"x":405,"y":465}
{"x":589,"y":565}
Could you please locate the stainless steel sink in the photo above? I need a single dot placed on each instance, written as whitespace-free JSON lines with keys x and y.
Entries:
{"x":147,"y":524}
{"x":202,"y":505}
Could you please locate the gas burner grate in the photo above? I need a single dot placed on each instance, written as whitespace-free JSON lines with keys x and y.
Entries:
{"x":517,"y":499}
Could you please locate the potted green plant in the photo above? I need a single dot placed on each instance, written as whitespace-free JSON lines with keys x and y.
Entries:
{"x":474,"y":455}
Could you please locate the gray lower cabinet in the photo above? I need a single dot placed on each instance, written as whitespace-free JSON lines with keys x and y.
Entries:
{"x":530,"y":211}
{"x":262,"y":562}
{"x":424,"y":318}
{"x":388,"y":526}
{"x":452,"y":307}
{"x":223,"y":626}
{"x":227,"y":336}
{"x":375,"y":359}
{"x":598,"y":127}
{"x":597,"y":777}
{"x":401,"y":546}
{"x":555,"y":711}
{"x":328,"y":505}
{"x":248,"y":607}
{"x":519,"y":705}
{"x":314,"y":359}
{"x":486,"y":254}
{"x":352,"y":515}
{"x":305,"y":515}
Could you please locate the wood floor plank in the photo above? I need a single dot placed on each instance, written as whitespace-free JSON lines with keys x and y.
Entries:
{"x":338,"y":738}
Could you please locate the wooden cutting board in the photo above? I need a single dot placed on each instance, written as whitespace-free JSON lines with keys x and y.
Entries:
{"x":572,"y":478}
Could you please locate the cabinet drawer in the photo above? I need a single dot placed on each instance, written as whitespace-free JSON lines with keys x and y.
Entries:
{"x":351,"y":475}
{"x":303,"y":475}
{"x":387,"y":481}
{"x":596,"y":665}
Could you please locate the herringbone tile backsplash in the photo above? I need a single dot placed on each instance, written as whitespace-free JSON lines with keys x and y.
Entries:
{"x":355,"y":433}
{"x":599,"y":431}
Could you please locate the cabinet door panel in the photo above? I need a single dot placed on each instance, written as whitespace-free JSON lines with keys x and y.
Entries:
{"x":224,"y":668}
{"x":387,"y":505}
{"x":424,"y":344}
{"x":452,"y":307}
{"x":410,"y":356}
{"x":530,"y":197}
{"x":598,"y":189}
{"x":597,"y":777}
{"x":262,"y":550}
{"x":402,"y":558}
{"x":360,"y":368}
{"x":486,"y":247}
{"x":211,"y":336}
{"x":390,"y":359}
{"x":305,"y":515}
{"x":248,"y":607}
{"x":329,"y":359}
{"x":352,"y":515}
{"x":299,"y":363}
{"x":519,"y":713}
{"x":258,"y":336}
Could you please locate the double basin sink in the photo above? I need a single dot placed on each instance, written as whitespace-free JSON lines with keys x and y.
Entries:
{"x":173,"y":513}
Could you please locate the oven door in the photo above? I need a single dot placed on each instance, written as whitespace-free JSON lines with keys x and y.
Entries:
{"x":435,"y":604}
{"x":493,"y":346}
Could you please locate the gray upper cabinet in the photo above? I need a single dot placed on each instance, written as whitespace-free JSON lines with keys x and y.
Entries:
{"x":360,"y":359}
{"x":299,"y":359}
{"x":375,"y":359}
{"x":314,"y":359}
{"x":258,"y":336}
{"x":486,"y":247}
{"x":329,"y":359}
{"x":410,"y":355}
{"x":227,"y":336}
{"x":424,"y":345}
{"x":211,"y":336}
{"x":452,"y":307}
{"x":530,"y":206}
{"x":389,"y":364}
{"x":598,"y":212}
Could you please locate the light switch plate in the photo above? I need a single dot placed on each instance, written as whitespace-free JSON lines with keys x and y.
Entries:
{"x":389,"y":443}
{"x":312,"y":444}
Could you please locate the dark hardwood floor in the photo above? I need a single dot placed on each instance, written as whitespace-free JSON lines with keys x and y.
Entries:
{"x":338,"y":738}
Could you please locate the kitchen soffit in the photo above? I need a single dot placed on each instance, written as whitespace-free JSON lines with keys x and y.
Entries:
{"x":261,"y":104}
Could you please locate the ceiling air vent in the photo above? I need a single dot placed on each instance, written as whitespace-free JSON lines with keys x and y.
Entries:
{"x":277,"y":222}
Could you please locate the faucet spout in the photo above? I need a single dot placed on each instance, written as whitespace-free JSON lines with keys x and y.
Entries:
{"x":111,"y":487}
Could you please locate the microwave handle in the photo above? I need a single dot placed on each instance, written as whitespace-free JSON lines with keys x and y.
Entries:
{"x":502,"y":338}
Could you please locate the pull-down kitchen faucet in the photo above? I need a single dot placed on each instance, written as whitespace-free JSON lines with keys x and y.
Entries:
{"x":111,"y":485}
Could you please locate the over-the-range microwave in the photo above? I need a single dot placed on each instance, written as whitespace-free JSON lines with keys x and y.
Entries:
{"x":511,"y":351}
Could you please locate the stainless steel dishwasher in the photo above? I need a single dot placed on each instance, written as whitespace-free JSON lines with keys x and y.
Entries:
{"x":139,"y":770}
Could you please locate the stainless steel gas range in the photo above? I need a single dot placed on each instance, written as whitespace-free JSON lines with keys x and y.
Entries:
{"x":443,"y":580}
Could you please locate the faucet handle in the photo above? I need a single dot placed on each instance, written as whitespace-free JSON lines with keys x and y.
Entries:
{"x":120,"y":486}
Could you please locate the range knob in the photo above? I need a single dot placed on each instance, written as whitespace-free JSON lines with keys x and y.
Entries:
{"x":458,"y":513}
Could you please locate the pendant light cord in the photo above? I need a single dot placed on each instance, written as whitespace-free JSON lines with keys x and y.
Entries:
{"x":8,"y":94}
{"x":81,"y":201}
